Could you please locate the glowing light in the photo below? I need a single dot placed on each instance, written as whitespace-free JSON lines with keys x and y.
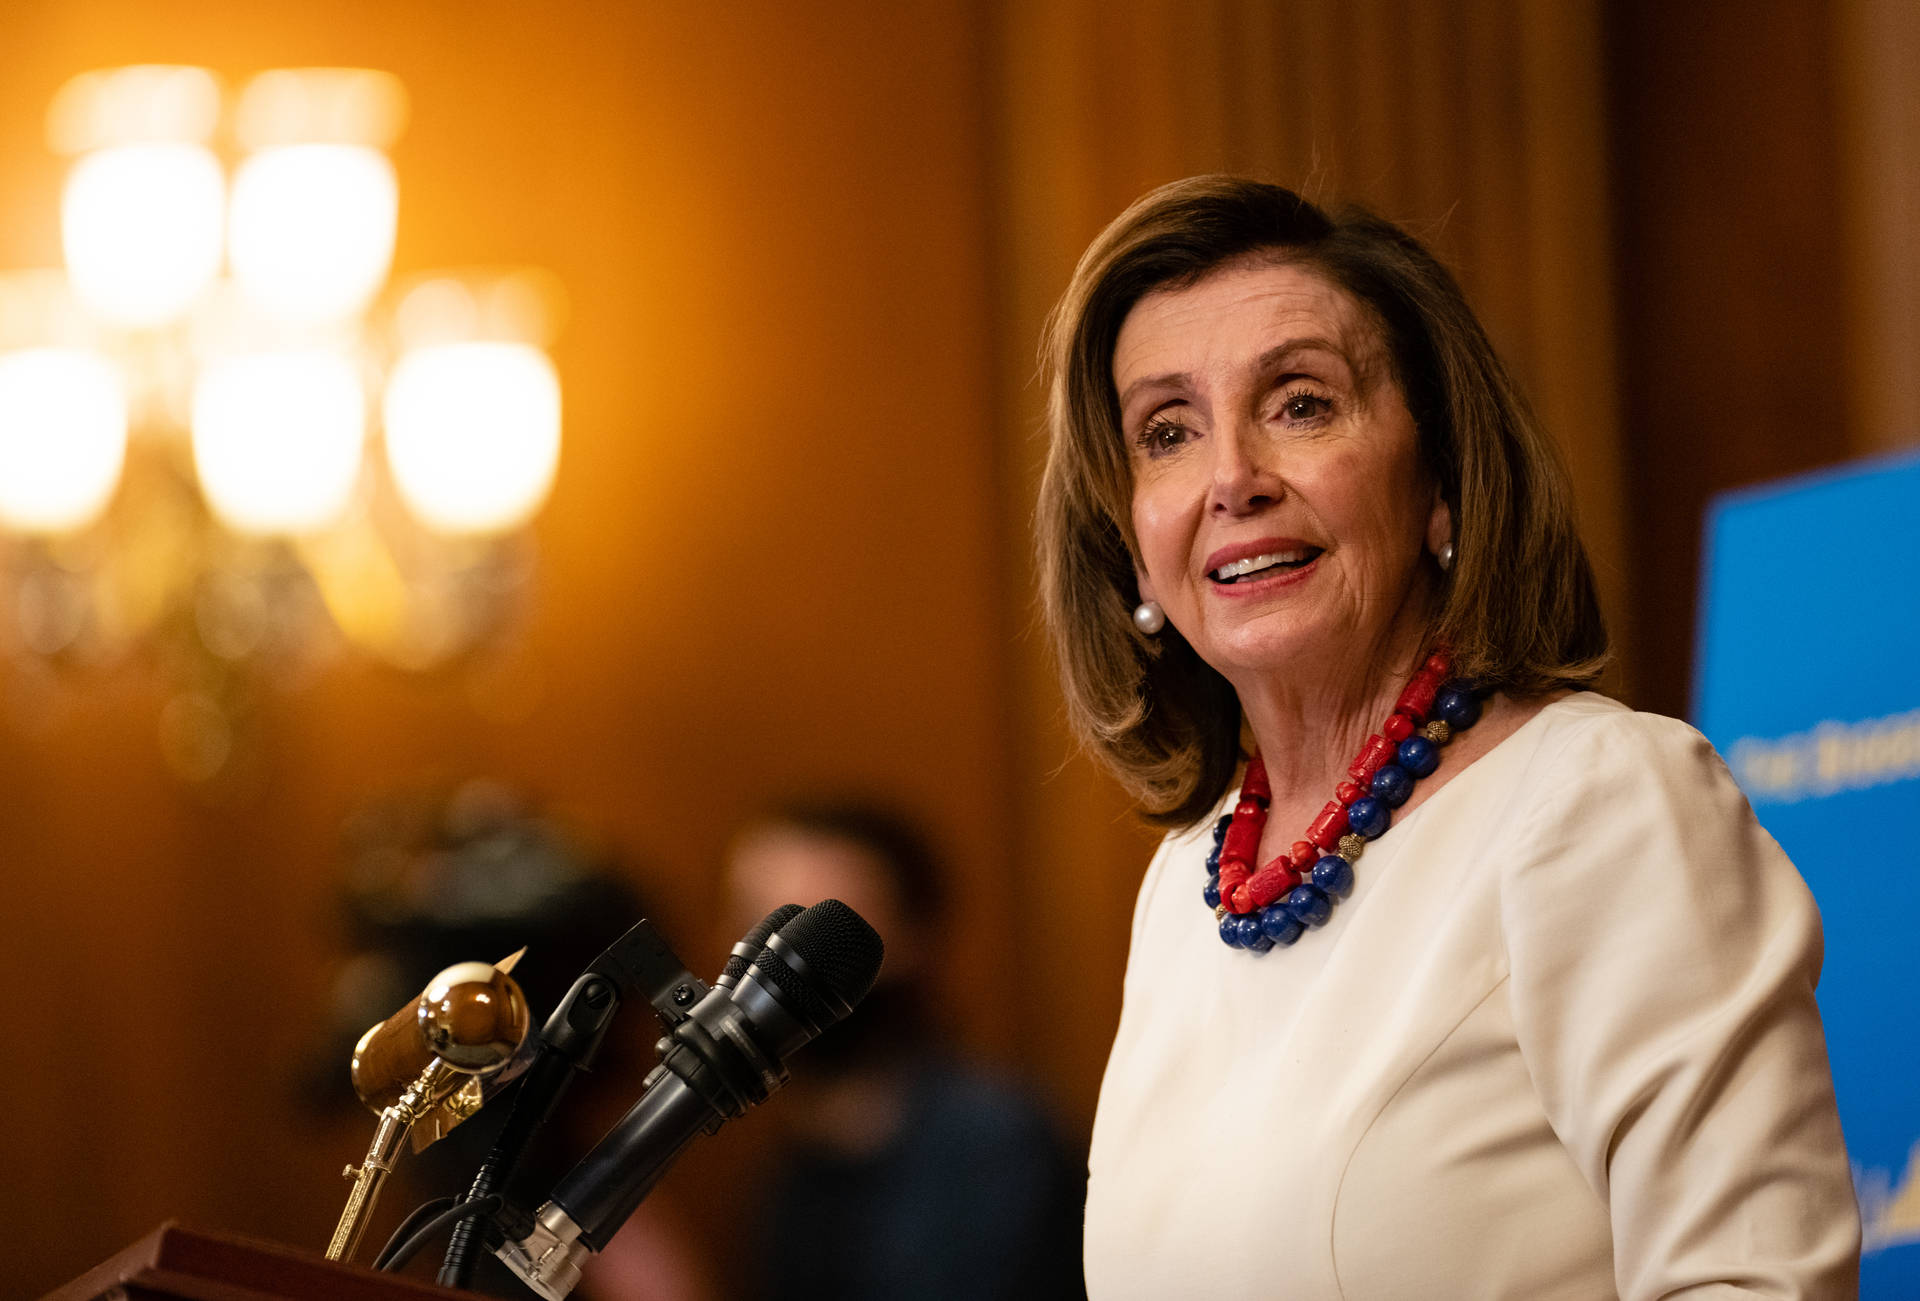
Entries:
{"x":341,"y":106}
{"x":142,"y":227}
{"x":473,"y":434}
{"x":121,"y":106}
{"x":277,"y":439}
{"x":312,"y":229}
{"x":63,"y":438}
{"x":517,"y":305}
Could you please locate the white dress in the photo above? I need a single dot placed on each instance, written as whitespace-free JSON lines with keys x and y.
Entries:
{"x":1561,"y":1041}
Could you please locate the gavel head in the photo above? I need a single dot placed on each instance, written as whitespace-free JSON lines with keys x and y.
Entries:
{"x":473,"y":1017}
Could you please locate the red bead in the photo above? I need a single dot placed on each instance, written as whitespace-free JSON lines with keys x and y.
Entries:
{"x":1254,"y":785}
{"x":1417,"y":699}
{"x":1231,"y":875}
{"x":1376,"y":751}
{"x":1251,"y":809}
{"x":1347,"y":792}
{"x":1241,"y":842}
{"x":1397,"y":728}
{"x":1303,"y":853}
{"x":1241,"y":901}
{"x":1329,"y":826}
{"x":1269,"y":883}
{"x":1439,"y":665}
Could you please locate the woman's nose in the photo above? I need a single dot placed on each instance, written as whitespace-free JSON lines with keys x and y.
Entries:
{"x":1243,"y":481}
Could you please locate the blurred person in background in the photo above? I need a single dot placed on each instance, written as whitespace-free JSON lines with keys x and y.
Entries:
{"x":1317,"y":591}
{"x":902,"y":1173}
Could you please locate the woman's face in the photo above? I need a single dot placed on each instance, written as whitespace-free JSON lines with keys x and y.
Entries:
{"x":1281,"y":506}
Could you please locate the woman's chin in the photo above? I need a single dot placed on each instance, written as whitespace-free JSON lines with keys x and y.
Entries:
{"x":1291,"y":655}
{"x":1264,"y":656}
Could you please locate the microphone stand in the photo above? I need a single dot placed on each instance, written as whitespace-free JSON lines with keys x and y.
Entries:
{"x":638,"y":962}
{"x":419,"y":1098}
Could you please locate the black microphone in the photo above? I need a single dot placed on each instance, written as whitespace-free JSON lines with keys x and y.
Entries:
{"x":752,"y":942}
{"x":728,"y":1054}
{"x":638,"y":963}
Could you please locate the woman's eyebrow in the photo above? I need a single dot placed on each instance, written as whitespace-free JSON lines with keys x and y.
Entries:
{"x":1267,"y":360}
{"x":1282,"y":352}
{"x":1173,"y":379}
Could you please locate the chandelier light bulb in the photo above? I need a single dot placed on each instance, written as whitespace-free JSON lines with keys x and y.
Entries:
{"x":473,"y":434}
{"x":142,"y":227}
{"x":277,"y":439}
{"x":63,"y":438}
{"x":312,"y":229}
{"x":123,"y":106}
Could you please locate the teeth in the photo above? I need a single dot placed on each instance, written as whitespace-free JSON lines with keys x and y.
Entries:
{"x":1227,"y":573}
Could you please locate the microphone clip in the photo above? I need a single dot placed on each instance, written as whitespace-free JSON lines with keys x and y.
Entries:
{"x":641,"y":961}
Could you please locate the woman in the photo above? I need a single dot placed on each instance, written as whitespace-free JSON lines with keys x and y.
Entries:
{"x":1469,"y":982}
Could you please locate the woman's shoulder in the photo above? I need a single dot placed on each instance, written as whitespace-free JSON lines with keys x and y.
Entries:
{"x":1591,"y":739}
{"x":1587,"y":773}
{"x":1630,"y":801}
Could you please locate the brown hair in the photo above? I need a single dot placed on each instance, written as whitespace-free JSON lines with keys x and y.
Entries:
{"x":1518,"y":608}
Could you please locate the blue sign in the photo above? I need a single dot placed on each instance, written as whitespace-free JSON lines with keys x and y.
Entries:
{"x":1808,"y":682}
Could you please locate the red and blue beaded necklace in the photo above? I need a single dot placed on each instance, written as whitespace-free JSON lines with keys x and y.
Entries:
{"x":1296,"y":891}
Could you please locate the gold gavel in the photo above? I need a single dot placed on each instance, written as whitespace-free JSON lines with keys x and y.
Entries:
{"x":421,"y":1069}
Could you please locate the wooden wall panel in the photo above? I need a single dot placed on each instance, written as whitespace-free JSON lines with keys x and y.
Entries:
{"x":770,"y":561}
{"x":1733,"y":316}
{"x":1876,"y":49}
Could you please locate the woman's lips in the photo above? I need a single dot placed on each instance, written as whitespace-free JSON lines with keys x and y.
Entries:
{"x":1267,"y":579}
{"x":1260,"y":563}
{"x":1255,"y":548}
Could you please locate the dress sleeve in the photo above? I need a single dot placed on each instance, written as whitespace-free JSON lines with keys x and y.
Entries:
{"x":1663,"y":953}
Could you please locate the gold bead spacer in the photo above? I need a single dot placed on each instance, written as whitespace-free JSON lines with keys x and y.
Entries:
{"x":1219,"y":911}
{"x":1352,"y":845}
{"x":1438,"y":731}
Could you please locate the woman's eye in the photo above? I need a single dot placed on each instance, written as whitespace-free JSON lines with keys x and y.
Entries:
{"x":1162,"y":434}
{"x":1300,"y":407}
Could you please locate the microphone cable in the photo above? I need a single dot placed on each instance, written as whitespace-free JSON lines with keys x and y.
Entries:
{"x":424,"y":1224}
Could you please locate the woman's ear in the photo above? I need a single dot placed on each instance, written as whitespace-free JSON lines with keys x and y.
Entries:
{"x":1439,"y":524}
{"x":1144,"y":583}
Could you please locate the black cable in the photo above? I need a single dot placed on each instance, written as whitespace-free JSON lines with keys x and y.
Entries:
{"x":408,"y":1225}
{"x":465,"y":1241}
{"x":538,"y":1093}
{"x":406,"y":1251}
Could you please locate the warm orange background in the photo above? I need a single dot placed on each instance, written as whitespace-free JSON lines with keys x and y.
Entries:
{"x":807,"y":249}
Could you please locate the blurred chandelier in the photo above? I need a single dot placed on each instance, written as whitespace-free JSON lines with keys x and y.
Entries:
{"x":190,"y":409}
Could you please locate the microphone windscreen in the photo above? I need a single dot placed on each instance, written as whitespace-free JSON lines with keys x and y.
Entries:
{"x":753,"y":941}
{"x":841,"y":950}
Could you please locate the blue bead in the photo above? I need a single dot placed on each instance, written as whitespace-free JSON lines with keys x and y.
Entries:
{"x":1456,"y":706}
{"x":1278,"y":925}
{"x":1212,"y":891}
{"x":1220,"y":829}
{"x":1392,"y":784}
{"x":1260,"y":943}
{"x":1230,"y":932}
{"x":1334,"y":874}
{"x":1247,"y":931}
{"x":1419,"y":756}
{"x":1368,"y":816}
{"x":1213,"y":860}
{"x":1309,"y":905}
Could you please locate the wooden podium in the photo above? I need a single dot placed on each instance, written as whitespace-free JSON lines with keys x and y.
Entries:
{"x":175,"y":1263}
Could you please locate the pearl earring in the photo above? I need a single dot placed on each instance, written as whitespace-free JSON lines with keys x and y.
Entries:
{"x":1445,"y":555}
{"x":1149,"y":618}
